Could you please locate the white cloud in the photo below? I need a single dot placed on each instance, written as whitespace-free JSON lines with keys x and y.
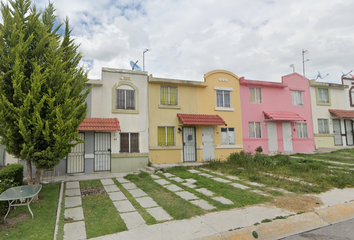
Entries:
{"x":257,"y":39}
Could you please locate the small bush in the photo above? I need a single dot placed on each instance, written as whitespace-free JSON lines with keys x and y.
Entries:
{"x":259,"y":149}
{"x":12,"y":175}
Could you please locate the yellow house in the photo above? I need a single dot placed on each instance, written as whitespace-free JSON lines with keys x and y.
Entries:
{"x":194,"y":121}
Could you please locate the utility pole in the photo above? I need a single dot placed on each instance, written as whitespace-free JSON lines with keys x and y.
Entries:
{"x":303,"y":61}
{"x":144,"y":59}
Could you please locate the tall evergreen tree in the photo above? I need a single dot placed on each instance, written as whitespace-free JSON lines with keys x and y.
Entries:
{"x":42,"y":87}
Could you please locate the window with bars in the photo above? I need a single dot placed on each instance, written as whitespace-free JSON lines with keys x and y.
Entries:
{"x":323,"y":95}
{"x":125,"y":99}
{"x":169,"y":95}
{"x":228,"y":136}
{"x":129,"y":142}
{"x":255,"y":95}
{"x":297,"y":98}
{"x":166,"y":136}
{"x":254,"y":130}
{"x":301,"y":129}
{"x":323,"y":126}
{"x":351,"y":96}
{"x":223,"y":98}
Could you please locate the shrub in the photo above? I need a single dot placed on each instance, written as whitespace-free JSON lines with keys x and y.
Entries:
{"x":12,"y":175}
{"x":259,"y":149}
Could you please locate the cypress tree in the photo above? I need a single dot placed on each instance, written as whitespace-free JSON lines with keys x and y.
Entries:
{"x":42,"y":86}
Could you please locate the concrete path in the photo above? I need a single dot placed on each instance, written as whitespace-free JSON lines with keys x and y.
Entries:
{"x":75,"y":229}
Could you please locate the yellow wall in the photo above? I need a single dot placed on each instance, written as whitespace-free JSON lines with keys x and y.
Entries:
{"x":324,"y":141}
{"x":193,"y":98}
{"x":207,"y":105}
{"x":166,"y":116}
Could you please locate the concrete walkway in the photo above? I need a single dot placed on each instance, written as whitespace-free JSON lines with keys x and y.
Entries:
{"x":232,"y":224}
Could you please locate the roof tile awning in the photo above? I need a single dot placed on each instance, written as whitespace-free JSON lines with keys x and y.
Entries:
{"x":342,"y":113}
{"x":201,"y":119}
{"x":99,"y":124}
{"x":283,"y":116}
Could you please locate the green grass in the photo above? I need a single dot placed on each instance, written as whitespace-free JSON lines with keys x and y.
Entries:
{"x":251,"y":167}
{"x":101,"y":216}
{"x":177,"y":207}
{"x":42,"y":226}
{"x":239,"y":197}
{"x":147,"y":217}
{"x":343,"y":156}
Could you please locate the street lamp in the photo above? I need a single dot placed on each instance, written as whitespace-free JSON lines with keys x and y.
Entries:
{"x":144,"y":59}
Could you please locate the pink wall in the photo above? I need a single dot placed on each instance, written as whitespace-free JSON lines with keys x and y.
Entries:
{"x":276,"y":97}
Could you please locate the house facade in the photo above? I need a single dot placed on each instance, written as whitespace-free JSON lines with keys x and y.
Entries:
{"x":277,"y":116}
{"x":194,"y":121}
{"x":328,"y":100}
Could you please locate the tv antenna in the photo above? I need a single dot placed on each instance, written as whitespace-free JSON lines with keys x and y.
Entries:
{"x":144,"y":58}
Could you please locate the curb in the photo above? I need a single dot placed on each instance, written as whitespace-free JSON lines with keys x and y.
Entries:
{"x":292,"y":225}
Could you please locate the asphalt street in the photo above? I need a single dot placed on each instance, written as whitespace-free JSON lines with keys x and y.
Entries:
{"x":339,"y":231}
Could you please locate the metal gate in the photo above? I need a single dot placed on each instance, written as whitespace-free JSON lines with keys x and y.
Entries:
{"x":76,"y":158}
{"x":337,"y":132}
{"x":189,"y":145}
{"x":102,"y":152}
{"x":349,"y":132}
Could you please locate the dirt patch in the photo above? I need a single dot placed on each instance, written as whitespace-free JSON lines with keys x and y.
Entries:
{"x":296,"y":204}
{"x":85,"y":192}
{"x":12,"y":221}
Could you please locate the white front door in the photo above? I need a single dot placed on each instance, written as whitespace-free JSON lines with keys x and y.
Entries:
{"x":189,"y":144}
{"x":272,"y":137}
{"x":287,"y":137}
{"x":208,"y":143}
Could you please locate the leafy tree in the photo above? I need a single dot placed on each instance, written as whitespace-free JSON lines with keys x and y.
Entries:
{"x":42,"y":87}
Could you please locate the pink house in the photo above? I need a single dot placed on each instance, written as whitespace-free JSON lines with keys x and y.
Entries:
{"x":277,"y":116}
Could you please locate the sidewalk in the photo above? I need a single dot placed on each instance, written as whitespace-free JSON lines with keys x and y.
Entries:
{"x":238,"y":223}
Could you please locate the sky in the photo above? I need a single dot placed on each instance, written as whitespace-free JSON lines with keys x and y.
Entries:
{"x":255,"y":39}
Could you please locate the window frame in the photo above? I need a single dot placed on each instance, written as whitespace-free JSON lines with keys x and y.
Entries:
{"x":294,"y":99}
{"x":254,"y":129}
{"x":300,"y":127}
{"x":130,"y":147}
{"x":125,"y":99}
{"x":169,"y":95}
{"x":228,"y":132}
{"x":319,"y":96}
{"x":323,"y":124}
{"x":257,"y":94}
{"x":124,"y":85}
{"x":223,"y":98}
{"x":351,"y":96}
{"x":166,"y":142}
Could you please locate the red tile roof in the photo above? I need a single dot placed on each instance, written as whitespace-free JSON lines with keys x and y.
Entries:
{"x":201,"y":119}
{"x":283,"y":116}
{"x":248,"y":82}
{"x":342,"y":113}
{"x":99,"y":124}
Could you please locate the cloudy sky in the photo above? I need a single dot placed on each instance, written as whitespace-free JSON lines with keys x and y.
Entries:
{"x":257,"y":39}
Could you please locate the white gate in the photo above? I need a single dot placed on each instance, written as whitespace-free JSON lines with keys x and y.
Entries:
{"x":349,"y":132}
{"x":272,"y":137}
{"x":76,"y":158}
{"x":208,"y":144}
{"x":337,"y":132}
{"x":189,"y":144}
{"x":102,"y":152}
{"x":287,"y":137}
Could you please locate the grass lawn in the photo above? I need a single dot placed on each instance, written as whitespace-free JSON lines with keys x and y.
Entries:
{"x":239,"y":197}
{"x":42,"y":226}
{"x":253,"y":167}
{"x":177,"y":207}
{"x":343,"y":156}
{"x":101,"y":216}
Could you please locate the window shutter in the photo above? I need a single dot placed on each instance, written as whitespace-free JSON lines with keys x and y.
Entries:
{"x":170,"y":136}
{"x":161,"y":138}
{"x":164,"y":95}
{"x":124,"y":142}
{"x":134,"y":142}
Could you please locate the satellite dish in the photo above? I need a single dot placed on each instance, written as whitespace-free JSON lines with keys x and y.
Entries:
{"x":135,"y":66}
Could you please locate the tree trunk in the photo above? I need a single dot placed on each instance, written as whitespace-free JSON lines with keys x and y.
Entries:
{"x":29,"y":173}
{"x":38,"y":176}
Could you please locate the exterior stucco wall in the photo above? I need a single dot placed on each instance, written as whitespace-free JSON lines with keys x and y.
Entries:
{"x":278,"y":99}
{"x":207,"y":104}
{"x":166,"y":116}
{"x":102,"y":105}
{"x":338,"y":100}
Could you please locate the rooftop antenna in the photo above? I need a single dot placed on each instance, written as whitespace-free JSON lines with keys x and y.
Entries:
{"x":144,"y":58}
{"x":319,"y":75}
{"x":135,"y":66}
{"x":303,"y":61}
{"x":292,"y":66}
{"x":346,"y":74}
